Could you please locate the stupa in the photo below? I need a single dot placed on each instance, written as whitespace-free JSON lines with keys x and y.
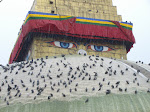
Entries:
{"x":70,"y":56}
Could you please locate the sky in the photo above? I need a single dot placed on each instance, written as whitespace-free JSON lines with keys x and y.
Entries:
{"x":13,"y":13}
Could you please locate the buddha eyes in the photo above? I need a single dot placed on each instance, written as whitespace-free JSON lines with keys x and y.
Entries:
{"x":63,"y":44}
{"x":99,"y":48}
{"x":67,"y":45}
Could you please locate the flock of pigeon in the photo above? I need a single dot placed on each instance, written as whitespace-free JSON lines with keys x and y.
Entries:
{"x":141,"y":62}
{"x":67,"y":78}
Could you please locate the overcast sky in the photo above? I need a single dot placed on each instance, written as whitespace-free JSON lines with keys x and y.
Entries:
{"x":13,"y":12}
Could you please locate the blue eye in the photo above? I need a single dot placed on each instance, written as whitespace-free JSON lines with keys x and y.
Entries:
{"x":98,"y":48}
{"x":64,"y":45}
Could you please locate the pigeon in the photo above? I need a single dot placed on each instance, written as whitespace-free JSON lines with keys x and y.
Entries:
{"x":87,"y":100}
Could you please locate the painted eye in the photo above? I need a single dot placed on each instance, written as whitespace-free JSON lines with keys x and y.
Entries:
{"x":63,"y":44}
{"x":99,"y":48}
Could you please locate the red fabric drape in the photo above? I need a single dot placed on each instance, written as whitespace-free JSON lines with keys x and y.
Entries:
{"x":70,"y":27}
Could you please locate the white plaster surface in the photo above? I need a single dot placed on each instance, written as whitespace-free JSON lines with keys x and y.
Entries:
{"x":73,"y":61}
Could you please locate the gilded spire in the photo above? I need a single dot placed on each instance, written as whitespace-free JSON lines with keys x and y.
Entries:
{"x":98,"y":9}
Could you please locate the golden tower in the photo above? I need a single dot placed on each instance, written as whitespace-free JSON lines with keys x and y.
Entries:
{"x":98,"y":9}
{"x":93,"y":26}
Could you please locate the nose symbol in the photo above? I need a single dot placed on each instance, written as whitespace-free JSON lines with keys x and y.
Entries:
{"x":82,"y":52}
